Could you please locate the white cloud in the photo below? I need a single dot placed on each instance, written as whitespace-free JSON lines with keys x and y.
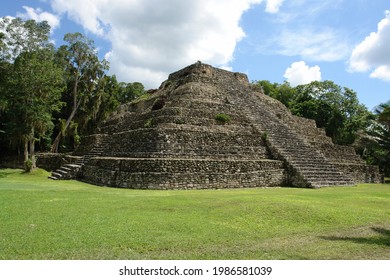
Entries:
{"x":40,"y":15}
{"x":382,"y":73}
{"x":313,"y":45}
{"x":273,"y":6}
{"x":300,"y":29}
{"x":300,"y":74}
{"x":150,"y":39}
{"x":373,"y":53}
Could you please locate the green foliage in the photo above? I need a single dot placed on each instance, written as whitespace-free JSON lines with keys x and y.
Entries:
{"x":333,"y":107}
{"x":86,"y":82}
{"x":130,"y":91}
{"x":375,"y":146}
{"x":142,"y":97}
{"x":222,"y":118}
{"x":264,"y":136}
{"x":47,"y":219}
{"x":282,"y":92}
{"x":33,"y":90}
{"x":101,"y":104}
{"x":22,"y":37}
{"x":148,"y":123}
{"x":28,"y":165}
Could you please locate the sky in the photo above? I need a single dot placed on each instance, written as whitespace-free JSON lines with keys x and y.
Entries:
{"x":298,"y":41}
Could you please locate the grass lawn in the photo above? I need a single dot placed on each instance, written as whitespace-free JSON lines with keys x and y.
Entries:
{"x":44,"y":219}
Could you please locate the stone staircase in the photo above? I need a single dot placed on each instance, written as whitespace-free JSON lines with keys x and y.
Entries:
{"x":70,"y":171}
{"x":307,"y":167}
{"x":66,"y":172}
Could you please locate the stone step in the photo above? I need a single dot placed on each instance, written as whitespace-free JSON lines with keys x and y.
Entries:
{"x":61,"y":171}
{"x":65,"y":172}
{"x":330,"y":184}
{"x":56,"y":174}
{"x":328,"y":178}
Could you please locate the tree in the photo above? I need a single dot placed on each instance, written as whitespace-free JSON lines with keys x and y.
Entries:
{"x":30,"y":83}
{"x":4,"y":70}
{"x":333,"y":107}
{"x":18,"y":36}
{"x":34,"y":90}
{"x":130,"y":91}
{"x":282,"y":92}
{"x":102,"y":102}
{"x":84,"y":71}
{"x":376,"y":147}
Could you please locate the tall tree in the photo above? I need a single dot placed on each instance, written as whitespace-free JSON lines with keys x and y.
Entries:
{"x":339,"y":110}
{"x":35,"y":86}
{"x":374,"y":145}
{"x":18,"y":36}
{"x":102,"y":101}
{"x":30,"y":82}
{"x":84,"y":72}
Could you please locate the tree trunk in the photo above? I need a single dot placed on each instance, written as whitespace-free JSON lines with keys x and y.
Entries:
{"x":57,"y":140}
{"x":25,"y":152}
{"x":32,"y":152}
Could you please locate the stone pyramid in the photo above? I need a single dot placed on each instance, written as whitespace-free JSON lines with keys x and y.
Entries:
{"x":208,"y":128}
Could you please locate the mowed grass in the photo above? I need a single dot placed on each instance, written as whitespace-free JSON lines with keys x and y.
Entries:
{"x":45,"y":219}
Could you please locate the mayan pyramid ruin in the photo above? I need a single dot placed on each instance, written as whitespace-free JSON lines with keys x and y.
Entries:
{"x":208,"y":128}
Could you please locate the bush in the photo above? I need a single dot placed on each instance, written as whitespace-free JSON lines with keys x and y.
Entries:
{"x":28,"y":164}
{"x":148,"y":123}
{"x":264,"y":136}
{"x":222,"y":118}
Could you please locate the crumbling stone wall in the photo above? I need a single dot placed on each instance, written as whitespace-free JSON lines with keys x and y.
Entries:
{"x":183,"y":173}
{"x":53,"y":161}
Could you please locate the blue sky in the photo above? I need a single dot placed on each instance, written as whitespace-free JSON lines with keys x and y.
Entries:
{"x":346,"y":41}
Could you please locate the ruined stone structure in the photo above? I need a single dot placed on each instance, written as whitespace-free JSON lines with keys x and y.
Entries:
{"x":207,"y":128}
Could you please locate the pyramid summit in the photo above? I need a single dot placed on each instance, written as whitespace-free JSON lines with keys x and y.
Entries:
{"x":208,"y":128}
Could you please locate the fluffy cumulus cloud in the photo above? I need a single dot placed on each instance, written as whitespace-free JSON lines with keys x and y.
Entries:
{"x":40,"y":15}
{"x":151,"y":38}
{"x":373,"y":53}
{"x":299,"y":73}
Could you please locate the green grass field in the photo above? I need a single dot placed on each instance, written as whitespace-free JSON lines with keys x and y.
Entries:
{"x":45,"y":219}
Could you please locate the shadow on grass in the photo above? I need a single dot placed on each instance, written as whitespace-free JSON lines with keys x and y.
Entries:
{"x":382,"y":238}
{"x":7,"y":172}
